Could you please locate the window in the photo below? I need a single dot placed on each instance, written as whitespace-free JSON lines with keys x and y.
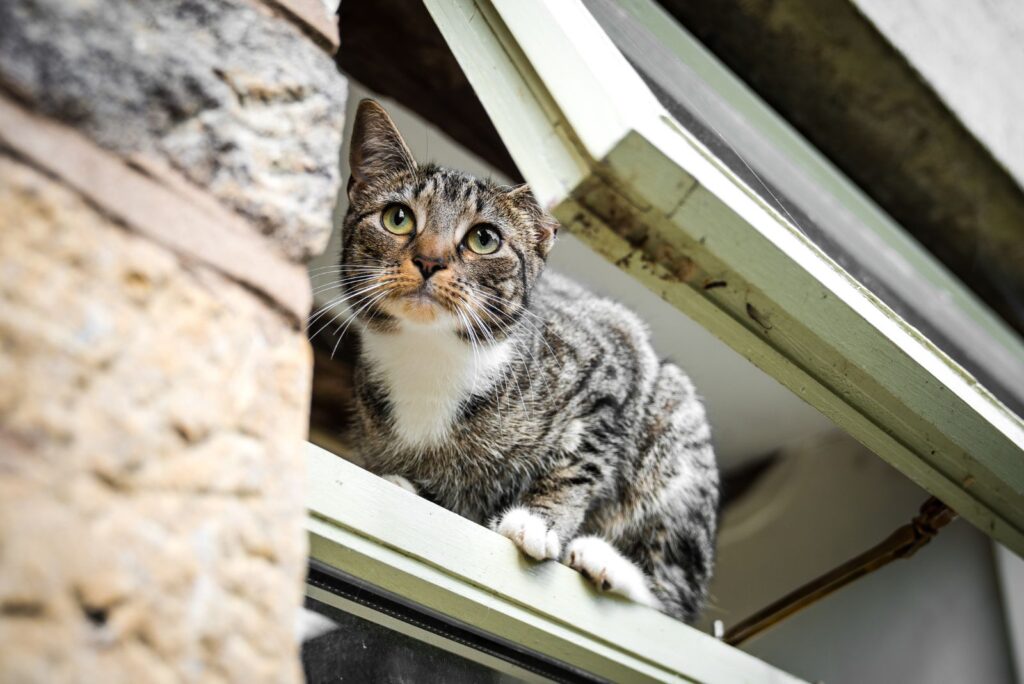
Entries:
{"x":661,"y":182}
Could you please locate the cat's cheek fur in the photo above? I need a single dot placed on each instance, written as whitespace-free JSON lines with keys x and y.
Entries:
{"x":602,"y":564}
{"x":530,"y":532}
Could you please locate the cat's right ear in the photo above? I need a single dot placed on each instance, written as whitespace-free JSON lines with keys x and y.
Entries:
{"x":376,"y":148}
{"x":545,"y":225}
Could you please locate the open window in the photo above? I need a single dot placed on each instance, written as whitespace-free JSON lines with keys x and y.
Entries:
{"x":712,"y":216}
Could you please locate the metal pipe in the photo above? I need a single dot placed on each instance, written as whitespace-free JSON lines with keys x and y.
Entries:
{"x":903,"y":543}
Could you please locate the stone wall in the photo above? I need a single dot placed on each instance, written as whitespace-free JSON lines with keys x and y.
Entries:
{"x":165,"y":167}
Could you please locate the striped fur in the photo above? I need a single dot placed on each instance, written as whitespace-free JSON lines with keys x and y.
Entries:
{"x":513,"y":396}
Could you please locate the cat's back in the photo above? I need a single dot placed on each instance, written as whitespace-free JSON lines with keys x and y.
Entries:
{"x":599,"y":347}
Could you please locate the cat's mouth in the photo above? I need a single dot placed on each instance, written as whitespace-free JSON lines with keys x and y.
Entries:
{"x":420,"y":305}
{"x":430,"y":301}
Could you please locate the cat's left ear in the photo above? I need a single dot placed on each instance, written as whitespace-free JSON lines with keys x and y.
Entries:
{"x":545,"y":225}
{"x":376,"y":148}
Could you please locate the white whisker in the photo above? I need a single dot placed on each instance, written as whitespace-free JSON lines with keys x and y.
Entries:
{"x":364,"y":291}
{"x":348,"y":322}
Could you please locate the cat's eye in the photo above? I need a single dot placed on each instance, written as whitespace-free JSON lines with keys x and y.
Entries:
{"x":483,"y":239}
{"x":398,"y":219}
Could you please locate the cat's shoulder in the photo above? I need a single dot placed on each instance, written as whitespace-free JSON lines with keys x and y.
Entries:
{"x":559,"y":293}
{"x":553,"y":285}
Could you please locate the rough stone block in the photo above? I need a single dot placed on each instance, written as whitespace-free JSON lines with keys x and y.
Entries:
{"x":235,"y":98}
{"x":152,"y":414}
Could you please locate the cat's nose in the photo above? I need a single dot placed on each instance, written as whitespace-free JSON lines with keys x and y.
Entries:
{"x":428,"y":266}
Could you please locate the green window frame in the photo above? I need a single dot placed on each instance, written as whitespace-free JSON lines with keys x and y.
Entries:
{"x":424,"y":554}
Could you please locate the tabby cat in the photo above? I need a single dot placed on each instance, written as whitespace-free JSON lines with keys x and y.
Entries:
{"x":511,"y":395}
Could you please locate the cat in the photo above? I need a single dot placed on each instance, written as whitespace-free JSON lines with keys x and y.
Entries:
{"x":512,"y":395}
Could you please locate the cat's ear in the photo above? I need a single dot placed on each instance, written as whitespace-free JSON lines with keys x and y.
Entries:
{"x":545,"y":225}
{"x":547,"y":231}
{"x":376,"y":148}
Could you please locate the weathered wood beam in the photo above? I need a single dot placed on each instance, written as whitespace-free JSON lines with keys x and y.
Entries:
{"x":794,"y":177}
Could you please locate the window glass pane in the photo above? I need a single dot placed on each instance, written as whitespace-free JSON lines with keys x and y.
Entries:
{"x":362,"y":651}
{"x":380,"y":638}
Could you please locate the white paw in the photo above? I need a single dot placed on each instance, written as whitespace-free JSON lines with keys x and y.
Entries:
{"x":530,"y":533}
{"x":401,"y":482}
{"x":602,"y":564}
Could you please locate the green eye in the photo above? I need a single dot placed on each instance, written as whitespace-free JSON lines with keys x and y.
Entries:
{"x":483,"y":239}
{"x":398,"y":219}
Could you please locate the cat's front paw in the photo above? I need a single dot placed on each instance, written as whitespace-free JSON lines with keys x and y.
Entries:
{"x":401,"y":482}
{"x":602,"y":564}
{"x":530,"y":533}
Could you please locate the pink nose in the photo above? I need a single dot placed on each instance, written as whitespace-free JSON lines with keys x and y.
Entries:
{"x":428,"y":266}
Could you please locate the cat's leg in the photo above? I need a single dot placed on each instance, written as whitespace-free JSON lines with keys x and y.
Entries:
{"x":551,"y":511}
{"x":667,"y":514}
{"x":609,"y":570}
{"x":402,"y":482}
{"x":677,"y":553}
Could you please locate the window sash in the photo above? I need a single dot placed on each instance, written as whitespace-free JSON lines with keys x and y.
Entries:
{"x":370,"y":529}
{"x":618,"y":171}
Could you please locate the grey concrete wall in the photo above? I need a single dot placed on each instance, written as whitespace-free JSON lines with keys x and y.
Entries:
{"x":972,"y":55}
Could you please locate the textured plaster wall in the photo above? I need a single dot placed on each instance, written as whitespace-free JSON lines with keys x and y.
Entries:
{"x":152,"y":410}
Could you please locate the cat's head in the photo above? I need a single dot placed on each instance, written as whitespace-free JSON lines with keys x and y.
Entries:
{"x":424,"y":245}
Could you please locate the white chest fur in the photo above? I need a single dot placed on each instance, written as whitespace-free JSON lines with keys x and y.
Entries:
{"x":428,"y":372}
